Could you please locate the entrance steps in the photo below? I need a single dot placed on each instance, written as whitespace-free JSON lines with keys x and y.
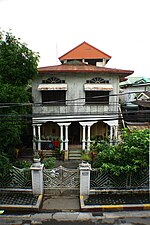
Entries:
{"x":74,"y":152}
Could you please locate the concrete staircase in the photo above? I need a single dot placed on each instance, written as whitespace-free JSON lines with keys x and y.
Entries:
{"x":74,"y":152}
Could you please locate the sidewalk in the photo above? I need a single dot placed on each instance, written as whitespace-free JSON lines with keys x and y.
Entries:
{"x":141,"y":217}
{"x":61,"y":204}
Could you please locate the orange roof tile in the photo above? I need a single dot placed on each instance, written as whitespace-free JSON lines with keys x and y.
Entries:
{"x":83,"y":68}
{"x":84,"y":51}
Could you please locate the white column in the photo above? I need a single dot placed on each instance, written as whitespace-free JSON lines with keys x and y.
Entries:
{"x":84,"y":124}
{"x":116,"y":134}
{"x":39,"y":136}
{"x":61,"y":136}
{"x":66,"y":137}
{"x":88,"y":138}
{"x":112,"y":124}
{"x":116,"y":131}
{"x":83,"y":139}
{"x":34,"y":138}
{"x":111,"y":134}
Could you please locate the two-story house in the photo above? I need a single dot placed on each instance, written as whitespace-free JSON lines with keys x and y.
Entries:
{"x":76,"y":100}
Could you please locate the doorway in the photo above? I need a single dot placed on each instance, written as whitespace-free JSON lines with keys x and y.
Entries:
{"x":74,"y":133}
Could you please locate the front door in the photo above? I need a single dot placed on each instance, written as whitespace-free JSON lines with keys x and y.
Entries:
{"x":74,"y":133}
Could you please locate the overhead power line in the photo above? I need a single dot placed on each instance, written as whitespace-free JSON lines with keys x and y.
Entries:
{"x":10,"y":104}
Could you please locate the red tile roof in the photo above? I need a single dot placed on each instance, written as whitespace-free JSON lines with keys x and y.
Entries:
{"x":83,"y":68}
{"x":84,"y":51}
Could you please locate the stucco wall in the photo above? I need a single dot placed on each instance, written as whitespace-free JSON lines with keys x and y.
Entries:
{"x":76,"y":91}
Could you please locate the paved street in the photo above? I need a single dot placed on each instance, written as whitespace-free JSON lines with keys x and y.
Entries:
{"x":126,"y":221}
{"x":78,"y":218}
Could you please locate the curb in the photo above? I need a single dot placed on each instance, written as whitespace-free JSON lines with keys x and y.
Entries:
{"x":103,"y":218}
{"x":90,"y":208}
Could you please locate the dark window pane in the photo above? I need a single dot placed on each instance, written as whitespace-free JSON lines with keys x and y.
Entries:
{"x":54,"y":97}
{"x":97,"y":97}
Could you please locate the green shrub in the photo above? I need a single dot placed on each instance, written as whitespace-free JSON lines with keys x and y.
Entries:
{"x":131,"y":155}
{"x":5,"y":164}
{"x":22,"y":164}
{"x":85,"y":157}
{"x":49,"y":163}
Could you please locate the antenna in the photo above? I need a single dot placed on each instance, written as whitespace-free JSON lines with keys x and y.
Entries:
{"x":56,"y":54}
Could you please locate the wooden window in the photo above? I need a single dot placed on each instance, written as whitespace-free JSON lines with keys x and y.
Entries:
{"x":54,"y":97}
{"x":97,"y":97}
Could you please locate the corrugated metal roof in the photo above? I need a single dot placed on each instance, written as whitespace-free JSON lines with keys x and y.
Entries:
{"x":84,"y":51}
{"x":138,"y":126}
{"x":135,"y":81}
{"x":142,"y":103}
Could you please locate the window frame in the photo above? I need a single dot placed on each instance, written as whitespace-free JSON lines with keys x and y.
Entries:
{"x":89,"y":97}
{"x":53,"y":97}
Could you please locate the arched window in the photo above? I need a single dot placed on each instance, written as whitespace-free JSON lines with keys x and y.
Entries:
{"x":97,"y":80}
{"x":53,"y":80}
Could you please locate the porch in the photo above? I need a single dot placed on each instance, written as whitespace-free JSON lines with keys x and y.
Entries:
{"x":71,"y":138}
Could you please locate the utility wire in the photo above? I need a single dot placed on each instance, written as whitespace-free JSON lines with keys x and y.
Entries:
{"x":67,"y":100}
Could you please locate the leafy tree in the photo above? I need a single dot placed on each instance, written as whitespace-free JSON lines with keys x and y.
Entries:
{"x":132,"y":154}
{"x":18,"y":65}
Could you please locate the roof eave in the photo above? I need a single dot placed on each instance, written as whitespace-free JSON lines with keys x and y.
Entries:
{"x":121,"y":74}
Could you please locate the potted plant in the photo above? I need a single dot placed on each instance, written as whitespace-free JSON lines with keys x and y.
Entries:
{"x":85,"y":157}
{"x":36,"y":157}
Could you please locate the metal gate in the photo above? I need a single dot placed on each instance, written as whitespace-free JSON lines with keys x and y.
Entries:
{"x":61,"y":178}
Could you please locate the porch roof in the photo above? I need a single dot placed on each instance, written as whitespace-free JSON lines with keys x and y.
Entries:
{"x":70,"y":118}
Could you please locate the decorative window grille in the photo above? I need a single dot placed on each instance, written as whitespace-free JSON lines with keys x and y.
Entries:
{"x":53,"y":80}
{"x":97,"y":80}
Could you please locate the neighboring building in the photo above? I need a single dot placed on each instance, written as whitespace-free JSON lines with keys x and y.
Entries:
{"x":131,"y":88}
{"x":132,"y":91}
{"x":76,"y":100}
{"x":141,"y":116}
{"x":144,"y":97}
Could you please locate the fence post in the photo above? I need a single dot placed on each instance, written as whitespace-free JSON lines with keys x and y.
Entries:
{"x":37,"y":178}
{"x":84,"y":178}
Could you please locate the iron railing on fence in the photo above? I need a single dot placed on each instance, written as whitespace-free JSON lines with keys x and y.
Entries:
{"x":106,"y":180}
{"x":17,"y":178}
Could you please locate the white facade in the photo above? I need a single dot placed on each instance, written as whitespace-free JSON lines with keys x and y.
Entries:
{"x":75,"y":109}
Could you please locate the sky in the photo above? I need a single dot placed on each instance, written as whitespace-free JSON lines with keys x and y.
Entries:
{"x":120,"y":28}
